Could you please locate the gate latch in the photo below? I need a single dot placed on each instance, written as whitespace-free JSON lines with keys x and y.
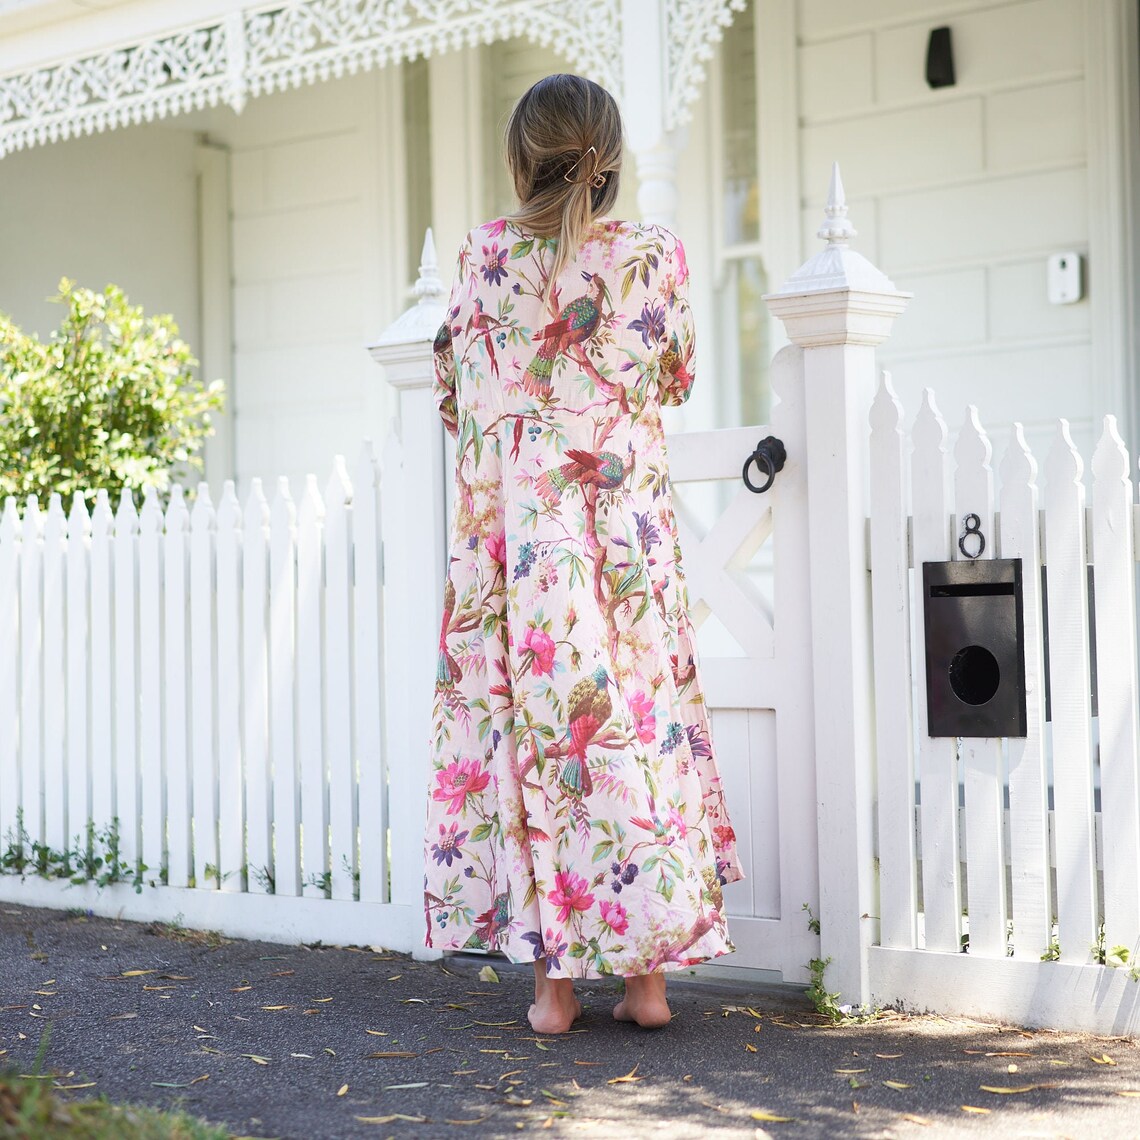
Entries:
{"x":769,"y":457}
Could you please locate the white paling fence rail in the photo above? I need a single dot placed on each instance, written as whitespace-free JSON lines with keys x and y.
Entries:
{"x":192,"y":692}
{"x":1031,"y":885}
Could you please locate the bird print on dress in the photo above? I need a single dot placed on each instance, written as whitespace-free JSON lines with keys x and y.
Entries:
{"x":589,"y":707}
{"x":448,"y":671}
{"x":603,"y":469}
{"x":575,"y":324}
{"x":485,"y":326}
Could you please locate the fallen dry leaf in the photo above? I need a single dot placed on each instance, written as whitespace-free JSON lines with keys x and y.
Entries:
{"x":394,"y":1053}
{"x":256,"y":1059}
{"x":974,"y":1108}
{"x":477,"y":1120}
{"x":390,"y":1118}
{"x":1128,"y":1092}
{"x":1016,"y":1088}
{"x":896,"y":1084}
{"x":1103,"y":1059}
{"x":122,"y":1016}
{"x":750,"y":1048}
{"x":888,"y":1056}
{"x":487,"y":974}
{"x":916,"y":1119}
{"x":845,"y":1071}
{"x":273,"y":1007}
{"x":630,"y":1077}
{"x":88,"y":1085}
{"x":771,"y":1117}
{"x":135,"y":973}
{"x":342,"y":1090}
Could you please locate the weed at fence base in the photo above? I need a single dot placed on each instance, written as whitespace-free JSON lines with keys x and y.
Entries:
{"x":96,"y":859}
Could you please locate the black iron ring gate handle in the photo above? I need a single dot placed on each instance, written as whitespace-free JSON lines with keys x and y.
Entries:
{"x":769,"y":457}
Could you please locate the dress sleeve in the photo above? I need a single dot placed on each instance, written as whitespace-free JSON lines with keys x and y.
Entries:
{"x":443,"y":349}
{"x":443,"y":388}
{"x":677,"y":359}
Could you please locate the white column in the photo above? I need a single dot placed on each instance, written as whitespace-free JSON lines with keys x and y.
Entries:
{"x":644,"y":81}
{"x":838,"y":307}
{"x":413,"y":528}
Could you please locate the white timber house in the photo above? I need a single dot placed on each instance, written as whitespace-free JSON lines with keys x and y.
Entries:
{"x":266,"y":173}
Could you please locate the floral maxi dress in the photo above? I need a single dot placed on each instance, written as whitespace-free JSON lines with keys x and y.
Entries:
{"x":575,"y":809}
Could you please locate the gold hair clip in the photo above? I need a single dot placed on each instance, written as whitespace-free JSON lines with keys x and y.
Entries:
{"x":595,"y":178}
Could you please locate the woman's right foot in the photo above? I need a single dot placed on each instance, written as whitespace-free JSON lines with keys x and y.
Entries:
{"x":644,"y":1002}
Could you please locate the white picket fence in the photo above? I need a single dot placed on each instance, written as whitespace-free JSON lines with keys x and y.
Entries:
{"x":1053,"y":901}
{"x":209,"y":681}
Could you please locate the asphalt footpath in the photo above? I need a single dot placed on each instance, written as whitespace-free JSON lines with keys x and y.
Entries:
{"x":315,"y":1042}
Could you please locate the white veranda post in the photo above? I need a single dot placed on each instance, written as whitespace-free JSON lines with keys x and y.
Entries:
{"x":414,"y":522}
{"x":838,"y":307}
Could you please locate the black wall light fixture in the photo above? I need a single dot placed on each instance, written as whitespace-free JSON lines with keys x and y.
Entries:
{"x":940,"y":59}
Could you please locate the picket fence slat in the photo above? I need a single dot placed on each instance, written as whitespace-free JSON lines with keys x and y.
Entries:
{"x":31,"y":661}
{"x":937,"y":761}
{"x":1031,"y":892}
{"x":124,"y":546}
{"x":102,"y":666}
{"x":77,"y":710}
{"x":255,"y":679}
{"x":203,"y":729}
{"x":10,"y":669}
{"x":151,"y":760}
{"x":338,"y":682}
{"x":1114,"y":574}
{"x":894,"y":736}
{"x":175,"y":687}
{"x":282,"y":606}
{"x":310,"y":742}
{"x":981,"y":757}
{"x":1067,"y":602}
{"x":230,"y":777}
{"x":372,"y":809}
{"x":54,"y":656}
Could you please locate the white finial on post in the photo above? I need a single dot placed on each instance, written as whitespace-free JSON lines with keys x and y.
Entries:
{"x":428,"y":285}
{"x":836,"y":266}
{"x":837,"y":228}
{"x":416,"y":326}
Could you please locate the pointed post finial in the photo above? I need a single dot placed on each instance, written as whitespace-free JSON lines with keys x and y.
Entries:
{"x":837,"y":228}
{"x":428,"y":285}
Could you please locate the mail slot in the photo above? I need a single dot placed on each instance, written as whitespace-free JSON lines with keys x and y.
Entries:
{"x":975,"y":648}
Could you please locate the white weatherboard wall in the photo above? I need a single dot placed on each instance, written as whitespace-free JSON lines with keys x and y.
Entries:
{"x":315,"y":184}
{"x":961,"y":193}
{"x":114,"y":208}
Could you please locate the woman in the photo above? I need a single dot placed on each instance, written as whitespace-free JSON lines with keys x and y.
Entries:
{"x":576,"y":817}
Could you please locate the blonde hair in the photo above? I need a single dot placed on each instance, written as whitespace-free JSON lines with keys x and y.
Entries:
{"x":564,"y":151}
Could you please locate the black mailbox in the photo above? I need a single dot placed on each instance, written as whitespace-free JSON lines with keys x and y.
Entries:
{"x":975,"y":648}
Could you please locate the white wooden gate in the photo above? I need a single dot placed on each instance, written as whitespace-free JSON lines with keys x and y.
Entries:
{"x":747,"y":574}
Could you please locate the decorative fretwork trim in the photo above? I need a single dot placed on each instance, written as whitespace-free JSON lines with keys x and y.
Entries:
{"x":693,"y":28}
{"x":271,"y":48}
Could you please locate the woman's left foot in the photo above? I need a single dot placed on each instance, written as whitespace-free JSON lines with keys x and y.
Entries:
{"x":555,"y":1007}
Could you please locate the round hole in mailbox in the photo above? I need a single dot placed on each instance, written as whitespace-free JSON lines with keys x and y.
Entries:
{"x":974,"y":675}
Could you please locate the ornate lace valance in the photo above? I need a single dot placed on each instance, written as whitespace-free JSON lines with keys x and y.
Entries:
{"x":268,"y":48}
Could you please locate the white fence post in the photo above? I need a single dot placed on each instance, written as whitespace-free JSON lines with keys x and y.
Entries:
{"x":837,"y":307}
{"x":413,"y":525}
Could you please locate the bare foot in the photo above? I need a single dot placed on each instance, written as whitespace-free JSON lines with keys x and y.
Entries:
{"x":644,"y":1002}
{"x":555,"y":1007}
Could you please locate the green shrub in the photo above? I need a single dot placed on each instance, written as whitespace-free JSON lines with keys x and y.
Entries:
{"x":109,"y":402}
